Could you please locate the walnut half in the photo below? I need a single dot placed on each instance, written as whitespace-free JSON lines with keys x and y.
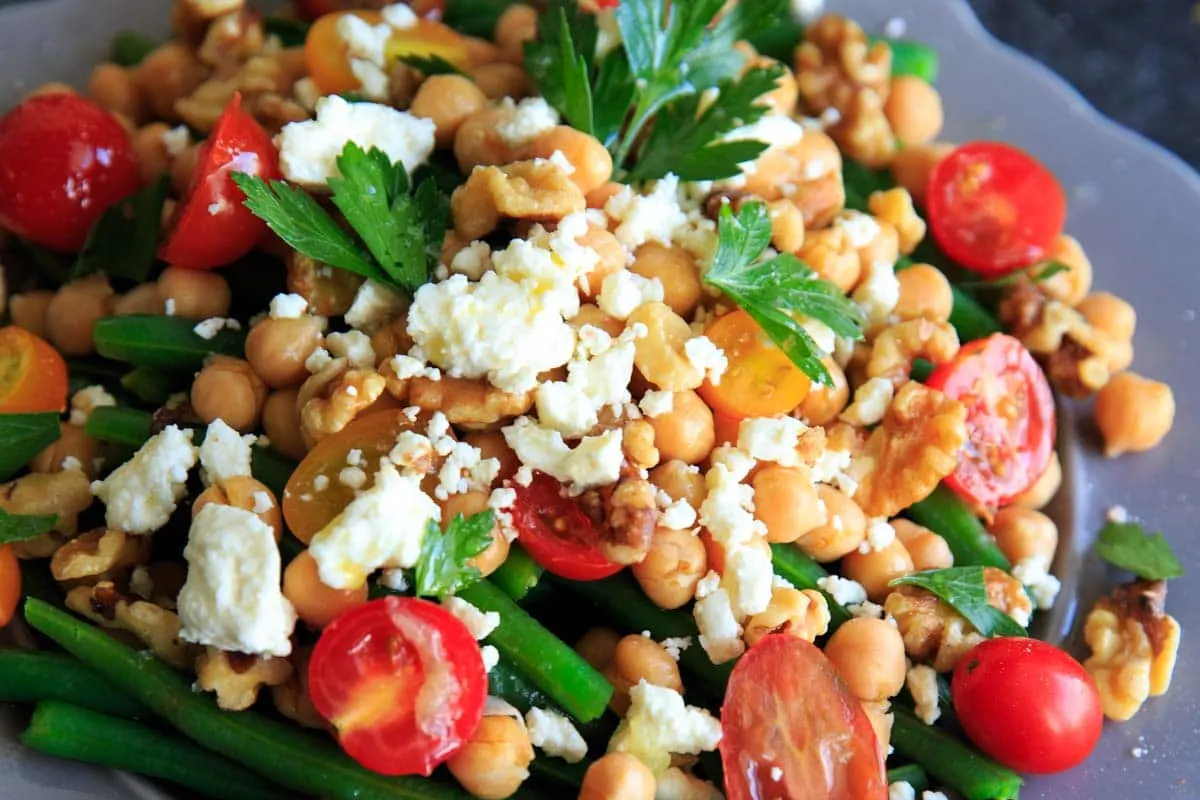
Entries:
{"x":237,"y":677}
{"x":104,"y":605}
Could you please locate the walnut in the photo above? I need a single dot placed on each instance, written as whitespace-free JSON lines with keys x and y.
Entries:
{"x":932,"y":631}
{"x":1008,"y":595}
{"x":291,"y":697}
{"x":231,"y":38}
{"x":897,"y":346}
{"x":273,"y":111}
{"x":65,"y":494}
{"x":99,"y":555}
{"x":800,"y":613}
{"x":831,"y":255}
{"x":474,"y":404}
{"x":159,"y":628}
{"x":863,"y":131}
{"x":524,"y":190}
{"x":329,"y":291}
{"x":237,"y":677}
{"x":895,"y":206}
{"x":331,"y":399}
{"x":392,"y":338}
{"x":625,"y":515}
{"x":638,"y":444}
{"x":911,"y":451}
{"x":836,"y":62}
{"x":1134,"y":643}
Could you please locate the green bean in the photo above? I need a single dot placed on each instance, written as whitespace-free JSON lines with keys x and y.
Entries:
{"x":912,"y":58}
{"x":150,"y":340}
{"x":79,"y":734}
{"x":120,"y":425}
{"x":912,"y":774}
{"x":948,"y":516}
{"x":24,"y":436}
{"x":951,"y":762}
{"x":129,"y":48}
{"x":31,"y":676}
{"x":153,"y":386}
{"x":279,"y":752}
{"x":803,"y":573}
{"x":510,"y":685}
{"x":551,"y":665}
{"x":518,"y":574}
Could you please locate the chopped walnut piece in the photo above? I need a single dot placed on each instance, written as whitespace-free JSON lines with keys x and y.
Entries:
{"x":933,"y":632}
{"x":864,"y":133}
{"x":106,"y":606}
{"x":230,"y":39}
{"x":65,"y":494}
{"x":473,"y":404}
{"x":99,"y":555}
{"x":525,"y":190}
{"x":330,"y":292}
{"x":897,"y":346}
{"x":331,"y":399}
{"x":625,"y":515}
{"x":237,"y":677}
{"x":895,"y":206}
{"x":836,"y":61}
{"x":638,"y":444}
{"x":1006,"y":593}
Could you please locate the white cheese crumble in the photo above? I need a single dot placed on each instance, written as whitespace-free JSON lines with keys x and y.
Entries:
{"x":472,"y":261}
{"x":622,"y":292}
{"x":879,"y":293}
{"x":871,"y":401}
{"x":555,"y":735}
{"x":720,"y":633}
{"x":354,"y":346}
{"x":209,"y":328}
{"x":87,"y":400}
{"x":169,"y":307}
{"x":860,"y":229}
{"x":374,"y":305}
{"x":706,"y":357}
{"x":1040,"y":585}
{"x":675,"y":645}
{"x":659,"y":724}
{"x":141,"y":494}
{"x":843,"y":590}
{"x":678,"y":784}
{"x":352,"y":478}
{"x":595,"y":461}
{"x":224,"y":453}
{"x":288,"y":306}
{"x":318,"y":360}
{"x":526,"y":120}
{"x":677,"y":515}
{"x":69,"y":463}
{"x":772,"y":439}
{"x":176,"y":140}
{"x":263,"y":502}
{"x":922,"y":685}
{"x":653,"y":217}
{"x":879,"y":535}
{"x":901,"y":790}
{"x":479,"y":623}
{"x":930,"y":795}
{"x":490,"y":657}
{"x":407,"y":367}
{"x":655,"y":403}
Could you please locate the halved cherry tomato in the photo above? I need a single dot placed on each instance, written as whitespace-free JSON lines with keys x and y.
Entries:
{"x":1027,"y":704}
{"x":63,"y":161}
{"x":761,"y":380}
{"x":1010,"y":419}
{"x":785,"y":707}
{"x":429,"y":38}
{"x":33,"y":376}
{"x":402,"y":681}
{"x":314,"y":495}
{"x":10,"y":584}
{"x":212,"y":227}
{"x":994,"y":208}
{"x":554,"y":530}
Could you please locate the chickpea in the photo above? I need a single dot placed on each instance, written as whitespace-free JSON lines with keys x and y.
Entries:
{"x":787,"y":226}
{"x":1109,"y":314}
{"x":845,"y":527}
{"x":639,"y":658}
{"x":468,"y":504}
{"x":783,"y":98}
{"x":878,"y":568}
{"x":928,"y":549}
{"x":72,"y":314}
{"x":480,"y":51}
{"x":598,"y":646}
{"x":28,"y":310}
{"x":492,"y":444}
{"x":786,"y":501}
{"x":1073,"y":285}
{"x":869,"y":655}
{"x":1044,"y":488}
{"x":1023,"y":533}
{"x":278,"y":348}
{"x":885,"y":246}
{"x":803,"y":614}
{"x":447,"y":100}
{"x":660,"y":355}
{"x":592,"y":162}
{"x":115,"y":88}
{"x":617,"y":776}
{"x":1133,"y":413}
{"x":686,"y":431}
{"x":912,"y":166}
{"x":924,"y":292}
{"x":914,"y":109}
{"x":228,"y":388}
{"x":599,"y":197}
{"x":613,"y":258}
{"x":676,"y":269}
{"x":477,"y":142}
{"x":244,"y":492}
{"x":823,"y":403}
{"x":516,"y":26}
{"x":195,"y":293}
{"x":501,"y":79}
{"x":281,"y":423}
{"x":72,"y":442}
{"x":169,"y":73}
{"x":316,"y":604}
{"x":141,"y":299}
{"x":590,"y":314}
{"x":495,"y":763}
{"x":680,"y":481}
{"x":827,"y":252}
{"x":676,"y":562}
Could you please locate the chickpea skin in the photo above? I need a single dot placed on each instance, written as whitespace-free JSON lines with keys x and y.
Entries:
{"x":869,"y":655}
{"x":598,"y":646}
{"x":72,"y":314}
{"x":1023,"y":533}
{"x":914,"y":109}
{"x":591,"y":160}
{"x":927,"y":549}
{"x":1133,"y":413}
{"x":617,"y":776}
{"x":822,"y":404}
{"x":912,"y":166}
{"x":315,"y":603}
{"x":676,"y":270}
{"x":876,"y":569}
{"x":680,"y":481}
{"x":447,"y":100}
{"x":844,"y":530}
{"x":1109,"y":314}
{"x":281,"y":423}
{"x":141,"y":299}
{"x":195,"y":293}
{"x":167,"y":74}
{"x":639,"y":658}
{"x":516,"y":26}
{"x":495,"y":763}
{"x":501,"y":79}
{"x":675,"y":563}
{"x":786,"y":501}
{"x":924,"y":293}
{"x":278,"y":348}
{"x":227,"y":388}
{"x":686,"y":431}
{"x":153,"y":158}
{"x":1044,"y":488}
{"x":29,"y":311}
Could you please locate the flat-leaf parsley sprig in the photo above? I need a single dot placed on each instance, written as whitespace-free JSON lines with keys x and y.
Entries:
{"x":778,"y":292}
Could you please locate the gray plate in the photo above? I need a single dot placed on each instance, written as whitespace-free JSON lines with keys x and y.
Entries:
{"x":1134,"y":206}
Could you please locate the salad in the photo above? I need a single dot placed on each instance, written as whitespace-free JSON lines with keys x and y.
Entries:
{"x":600,"y":399}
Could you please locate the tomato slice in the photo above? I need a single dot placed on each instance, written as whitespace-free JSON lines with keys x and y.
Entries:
{"x":33,"y":376}
{"x":994,"y":208}
{"x":761,"y":381}
{"x":402,"y":681}
{"x":212,"y":227}
{"x":791,"y":728}
{"x":1010,"y":419}
{"x":554,"y":529}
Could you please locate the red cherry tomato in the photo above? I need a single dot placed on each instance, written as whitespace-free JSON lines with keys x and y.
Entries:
{"x":994,"y":208}
{"x":1027,"y":704}
{"x":554,"y":530}
{"x":63,"y":161}
{"x":791,"y":728}
{"x":1010,"y":419}
{"x":212,"y":227}
{"x":402,"y":681}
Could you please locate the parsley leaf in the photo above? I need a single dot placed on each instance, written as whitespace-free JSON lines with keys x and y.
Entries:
{"x":442,"y":568}
{"x":123,"y":242}
{"x":1147,"y":555}
{"x":23,"y":436}
{"x":431,"y":64}
{"x":19,"y":527}
{"x":717,"y":59}
{"x":560,"y":61}
{"x":965,"y":590}
{"x":775,"y":291}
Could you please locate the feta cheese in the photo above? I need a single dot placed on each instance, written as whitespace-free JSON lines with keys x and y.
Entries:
{"x":678,"y":515}
{"x":479,"y":623}
{"x":526,"y":120}
{"x":747,"y":579}
{"x":382,"y":527}
{"x":352,"y":477}
{"x":901,"y":790}
{"x":565,"y":408}
{"x":490,"y":657}
{"x":169,"y":307}
{"x":860,"y":229}
{"x":676,"y":784}
{"x":595,"y":461}
{"x":394,"y":579}
{"x":400,"y":16}
{"x":706,"y":357}
{"x":318,"y":360}
{"x":374,"y":306}
{"x":867,"y":610}
{"x":674,"y":645}
{"x":407,"y":367}
{"x":559,"y":159}
{"x":720,"y":633}
{"x":871,"y":401}
{"x":728,"y":508}
{"x":263,"y":502}
{"x":224,"y":453}
{"x":176,"y":140}
{"x":87,"y":400}
{"x":879,"y":293}
{"x":655,"y":403}
{"x":1040,"y":585}
{"x":555,"y":735}
{"x":288,"y":306}
{"x":354,"y":346}
{"x":843,"y":590}
{"x":209,"y":328}
{"x":931,"y":795}
{"x":597,"y":377}
{"x":922,"y":685}
{"x":776,"y":131}
{"x":879,"y":535}
{"x":464,"y":470}
{"x":659,"y":724}
{"x":232,"y":598}
{"x":623,"y":291}
{"x":472,"y":261}
{"x":308,"y":150}
{"x":69,"y":463}
{"x":653,"y":217}
{"x":141,"y":494}
{"x":772,"y":439}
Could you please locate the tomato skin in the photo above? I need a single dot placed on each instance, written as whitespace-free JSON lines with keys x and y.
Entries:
{"x":760,"y":381}
{"x":784,"y":693}
{"x":1010,"y":419}
{"x":212,"y":227}
{"x":368,"y":669}
{"x":10,"y":584}
{"x":1027,"y":704}
{"x":33,"y":376}
{"x":557,"y":533}
{"x":63,"y":161}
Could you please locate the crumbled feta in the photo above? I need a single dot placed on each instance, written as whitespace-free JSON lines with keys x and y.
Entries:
{"x":595,"y":461}
{"x":374,"y":305}
{"x":555,"y":735}
{"x":559,"y":159}
{"x":141,"y":494}
{"x":879,"y":535}
{"x":209,"y":328}
{"x":843,"y":590}
{"x":871,"y":401}
{"x":464,"y":470}
{"x":176,"y":140}
{"x":354,"y":346}
{"x":472,"y":261}
{"x":901,"y":790}
{"x":655,"y":403}
{"x":867,"y":610}
{"x":653,"y":217}
{"x":678,"y":515}
{"x":382,"y":527}
{"x":1040,"y":585}
{"x":706,"y":357}
{"x":318,"y":360}
{"x":526,"y":120}
{"x":232,"y":598}
{"x":352,"y":478}
{"x":169,"y":307}
{"x":479,"y":623}
{"x":931,"y":795}
{"x":224,"y":453}
{"x":490,"y":657}
{"x":400,"y":16}
{"x":87,"y":400}
{"x":822,"y":335}
{"x":772,"y":439}
{"x":263,"y":502}
{"x":678,"y":784}
{"x":623,"y":291}
{"x":407,"y":367}
{"x":288,"y":306}
{"x":720,"y":633}
{"x":69,"y":463}
{"x":728,"y":508}
{"x":366,"y":51}
{"x":830,"y":464}
{"x":879,"y":293}
{"x":747,"y":579}
{"x":922,"y":685}
{"x":308,"y":151}
{"x":860,"y":229}
{"x":659,"y":724}
{"x":776,"y":131}
{"x":674,"y":645}
{"x":394,"y":579}
{"x":565,"y":408}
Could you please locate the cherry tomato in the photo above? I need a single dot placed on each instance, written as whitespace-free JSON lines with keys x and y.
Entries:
{"x":10,"y":584}
{"x":1010,"y":419}
{"x":212,"y":227}
{"x":1027,"y":704}
{"x":791,"y":728}
{"x":402,"y":681}
{"x":33,"y":376}
{"x":554,"y":530}
{"x":994,"y":208}
{"x":63,"y":161}
{"x":761,"y":380}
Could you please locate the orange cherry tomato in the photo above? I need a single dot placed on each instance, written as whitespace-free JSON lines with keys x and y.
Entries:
{"x":727,"y":428}
{"x":10,"y":584}
{"x":33,"y":376}
{"x":761,"y":380}
{"x":429,"y":38}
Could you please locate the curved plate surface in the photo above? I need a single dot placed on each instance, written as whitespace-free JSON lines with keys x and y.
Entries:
{"x":1134,"y":206}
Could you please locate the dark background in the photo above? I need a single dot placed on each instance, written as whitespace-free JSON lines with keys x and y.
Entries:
{"x":1138,"y":61}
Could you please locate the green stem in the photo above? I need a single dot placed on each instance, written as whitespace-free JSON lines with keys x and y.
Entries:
{"x":802,"y":572}
{"x":31,"y":676}
{"x":518,"y":575}
{"x":78,"y":734}
{"x":912,"y":774}
{"x":951,"y":762}
{"x":948,"y":516}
